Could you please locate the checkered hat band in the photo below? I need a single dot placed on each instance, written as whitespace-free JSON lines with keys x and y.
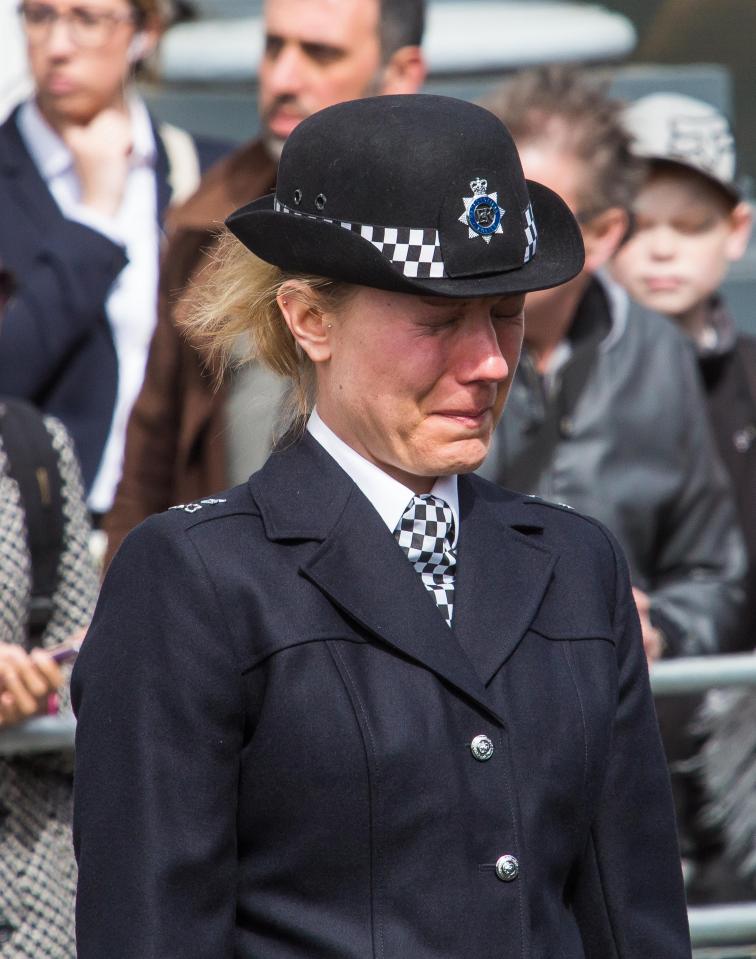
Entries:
{"x":426,"y":533}
{"x":531,"y":234}
{"x":416,"y":251}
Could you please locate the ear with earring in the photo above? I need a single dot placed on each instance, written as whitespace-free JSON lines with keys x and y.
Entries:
{"x":285,"y":302}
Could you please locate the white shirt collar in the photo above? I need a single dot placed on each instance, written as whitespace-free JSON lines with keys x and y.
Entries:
{"x":53,"y":158}
{"x":389,"y":497}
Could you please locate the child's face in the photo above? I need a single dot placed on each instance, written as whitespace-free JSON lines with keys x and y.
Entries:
{"x":685,"y":236}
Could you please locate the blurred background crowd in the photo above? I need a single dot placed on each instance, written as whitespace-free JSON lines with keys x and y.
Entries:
{"x":131,"y":128}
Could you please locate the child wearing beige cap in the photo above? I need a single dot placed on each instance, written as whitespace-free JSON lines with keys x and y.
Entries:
{"x":690,"y":221}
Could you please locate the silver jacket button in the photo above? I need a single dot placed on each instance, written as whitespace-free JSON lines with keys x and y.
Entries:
{"x":507,"y":868}
{"x":482,"y":748}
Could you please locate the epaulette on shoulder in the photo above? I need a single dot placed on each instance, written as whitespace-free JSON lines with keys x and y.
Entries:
{"x":207,"y":509}
{"x":582,"y":519}
{"x":198,"y":505}
{"x":532,"y":499}
{"x":232,"y":502}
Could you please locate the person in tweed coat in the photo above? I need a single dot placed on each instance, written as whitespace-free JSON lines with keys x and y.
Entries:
{"x":37,"y":866}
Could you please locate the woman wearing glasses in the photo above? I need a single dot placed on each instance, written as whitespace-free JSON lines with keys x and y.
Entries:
{"x":90,"y":177}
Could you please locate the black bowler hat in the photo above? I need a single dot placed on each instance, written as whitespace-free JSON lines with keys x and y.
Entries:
{"x":413,"y":193}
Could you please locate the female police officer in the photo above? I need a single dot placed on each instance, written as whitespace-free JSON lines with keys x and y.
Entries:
{"x":368,"y":705}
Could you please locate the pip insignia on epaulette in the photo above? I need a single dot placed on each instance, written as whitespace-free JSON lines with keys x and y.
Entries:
{"x":549,"y":502}
{"x":194,"y":507}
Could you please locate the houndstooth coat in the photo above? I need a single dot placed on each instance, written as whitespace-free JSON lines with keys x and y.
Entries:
{"x":37,"y":866}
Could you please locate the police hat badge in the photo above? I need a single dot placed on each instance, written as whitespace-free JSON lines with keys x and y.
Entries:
{"x":482,"y":211}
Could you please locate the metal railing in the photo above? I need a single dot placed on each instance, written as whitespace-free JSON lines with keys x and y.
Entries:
{"x":724,"y":928}
{"x":672,"y":677}
{"x":725,"y":952}
{"x":43,"y":735}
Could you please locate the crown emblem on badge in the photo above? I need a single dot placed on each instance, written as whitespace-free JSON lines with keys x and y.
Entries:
{"x":482,"y":213}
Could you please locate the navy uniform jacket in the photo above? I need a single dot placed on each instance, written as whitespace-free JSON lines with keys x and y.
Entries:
{"x":273,"y":752}
{"x":56,"y":346}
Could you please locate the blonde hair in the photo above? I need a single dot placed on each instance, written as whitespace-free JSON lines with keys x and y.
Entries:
{"x":233,"y":318}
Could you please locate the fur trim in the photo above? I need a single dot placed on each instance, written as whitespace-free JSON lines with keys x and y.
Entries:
{"x":727,"y":764}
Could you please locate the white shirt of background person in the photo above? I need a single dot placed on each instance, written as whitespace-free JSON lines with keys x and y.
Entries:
{"x":131,"y":306}
{"x":15,"y":80}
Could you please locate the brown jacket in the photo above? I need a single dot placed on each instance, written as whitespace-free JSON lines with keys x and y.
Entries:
{"x":175,"y":439}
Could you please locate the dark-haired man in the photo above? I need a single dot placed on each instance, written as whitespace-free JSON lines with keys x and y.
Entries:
{"x":606,"y":413}
{"x":183,"y":439}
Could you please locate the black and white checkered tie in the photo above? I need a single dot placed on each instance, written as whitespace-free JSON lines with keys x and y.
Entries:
{"x":426,"y":533}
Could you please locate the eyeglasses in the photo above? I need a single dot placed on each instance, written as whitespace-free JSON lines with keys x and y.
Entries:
{"x":87,"y":27}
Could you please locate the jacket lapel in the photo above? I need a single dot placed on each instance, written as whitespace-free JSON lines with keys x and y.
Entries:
{"x":28,"y":188}
{"x":162,"y":175}
{"x":303,"y":494}
{"x":502,"y":575}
